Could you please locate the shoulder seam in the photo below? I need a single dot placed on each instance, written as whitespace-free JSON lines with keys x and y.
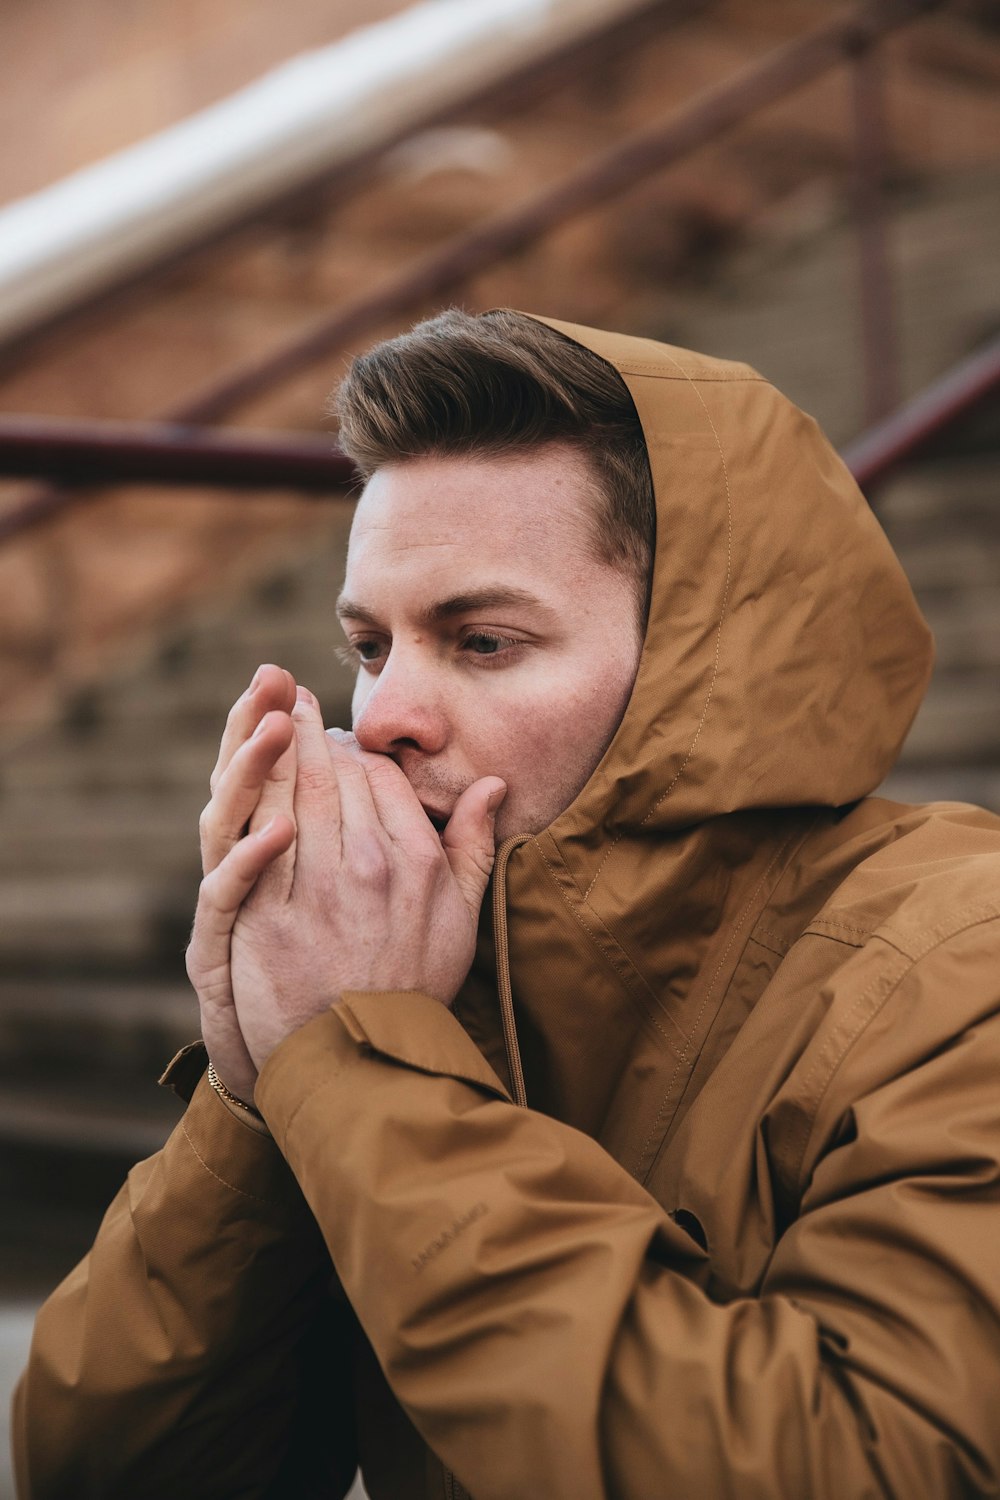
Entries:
{"x":856,"y":936}
{"x":891,"y":981}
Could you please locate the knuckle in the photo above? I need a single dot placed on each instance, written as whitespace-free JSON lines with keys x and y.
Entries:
{"x":370,"y":862}
{"x":428,"y":856}
{"x":379,"y":769}
{"x":313,"y":778}
{"x":192,"y":962}
{"x":208,"y":891}
{"x":481,"y":859}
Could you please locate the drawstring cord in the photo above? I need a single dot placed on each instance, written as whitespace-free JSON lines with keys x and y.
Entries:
{"x":503,"y":967}
{"x":452,"y":1488}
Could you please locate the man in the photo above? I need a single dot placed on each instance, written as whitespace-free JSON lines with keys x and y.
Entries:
{"x":670,"y":1170}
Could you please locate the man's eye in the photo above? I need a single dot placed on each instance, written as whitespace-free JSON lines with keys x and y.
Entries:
{"x":484,"y":643}
{"x":364,"y":652}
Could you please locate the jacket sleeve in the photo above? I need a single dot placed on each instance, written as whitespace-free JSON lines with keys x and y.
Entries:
{"x":539,"y":1316}
{"x":170,"y":1361}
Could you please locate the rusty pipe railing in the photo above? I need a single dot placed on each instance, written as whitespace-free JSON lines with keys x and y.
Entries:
{"x":160,"y":453}
{"x":879,"y":335}
{"x":718,"y":109}
{"x":873,"y":456}
{"x":75,"y":452}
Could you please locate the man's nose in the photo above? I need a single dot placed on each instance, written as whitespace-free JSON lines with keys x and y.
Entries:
{"x":400,"y":709}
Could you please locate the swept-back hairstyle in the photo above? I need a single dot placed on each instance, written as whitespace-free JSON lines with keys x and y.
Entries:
{"x":502,"y":383}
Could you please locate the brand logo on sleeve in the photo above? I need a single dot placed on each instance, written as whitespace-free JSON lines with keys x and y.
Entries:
{"x":449,"y":1235}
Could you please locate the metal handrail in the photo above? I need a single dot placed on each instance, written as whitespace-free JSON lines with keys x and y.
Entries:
{"x":93,"y":452}
{"x":874,"y":455}
{"x":162,"y":453}
{"x":74,"y":455}
{"x":781,"y":72}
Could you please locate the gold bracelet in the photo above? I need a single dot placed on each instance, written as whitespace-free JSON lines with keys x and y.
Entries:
{"x":220,"y":1088}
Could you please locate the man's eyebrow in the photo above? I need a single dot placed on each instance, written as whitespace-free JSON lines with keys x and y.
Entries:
{"x":346,"y":609}
{"x":492,"y":596}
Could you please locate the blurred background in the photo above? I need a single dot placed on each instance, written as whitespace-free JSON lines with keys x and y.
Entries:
{"x":204,"y":211}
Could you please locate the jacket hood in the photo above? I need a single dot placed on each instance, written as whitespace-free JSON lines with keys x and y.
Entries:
{"x":783,"y":662}
{"x":785,"y":656}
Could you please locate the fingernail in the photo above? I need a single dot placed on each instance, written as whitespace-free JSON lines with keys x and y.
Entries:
{"x":262,"y":833}
{"x":495,"y":798}
{"x":256,"y":679}
{"x":303,"y":695}
{"x":260,"y":728}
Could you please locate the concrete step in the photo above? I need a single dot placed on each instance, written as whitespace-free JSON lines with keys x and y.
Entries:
{"x":79,"y":1104}
{"x":92,"y":917}
{"x":99,"y":1027}
{"x":63,"y":1156}
{"x":950,"y":559}
{"x":966,"y":628}
{"x":959,"y":722}
{"x":929,"y":497}
{"x":47,"y":1118}
{"x":979,"y":785}
{"x":122,"y":810}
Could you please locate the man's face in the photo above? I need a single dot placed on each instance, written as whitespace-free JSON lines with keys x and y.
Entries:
{"x":490,"y":639}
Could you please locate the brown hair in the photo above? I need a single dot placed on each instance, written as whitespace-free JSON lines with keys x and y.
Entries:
{"x":502,"y":383}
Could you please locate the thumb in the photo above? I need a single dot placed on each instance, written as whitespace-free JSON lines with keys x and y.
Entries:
{"x":468,"y":839}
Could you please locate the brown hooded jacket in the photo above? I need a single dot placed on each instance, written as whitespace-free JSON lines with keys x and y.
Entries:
{"x":743,"y":1239}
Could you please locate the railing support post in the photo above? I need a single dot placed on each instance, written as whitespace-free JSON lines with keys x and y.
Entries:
{"x":879,"y":335}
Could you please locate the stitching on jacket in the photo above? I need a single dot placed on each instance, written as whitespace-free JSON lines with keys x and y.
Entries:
{"x":972,"y":916}
{"x":861,"y":1023}
{"x":620,"y":969}
{"x":256,"y":1198}
{"x":849,"y":933}
{"x":836,"y":937}
{"x":638,"y":367}
{"x":962,"y":919}
{"x":748,"y":907}
{"x":773,"y":942}
{"x":841,"y":926}
{"x":718,"y":638}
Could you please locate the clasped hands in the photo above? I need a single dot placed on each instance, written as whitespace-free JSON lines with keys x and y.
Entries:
{"x":322,"y":874}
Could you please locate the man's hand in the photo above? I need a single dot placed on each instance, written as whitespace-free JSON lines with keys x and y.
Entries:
{"x":368,"y":897}
{"x":256,"y":761}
